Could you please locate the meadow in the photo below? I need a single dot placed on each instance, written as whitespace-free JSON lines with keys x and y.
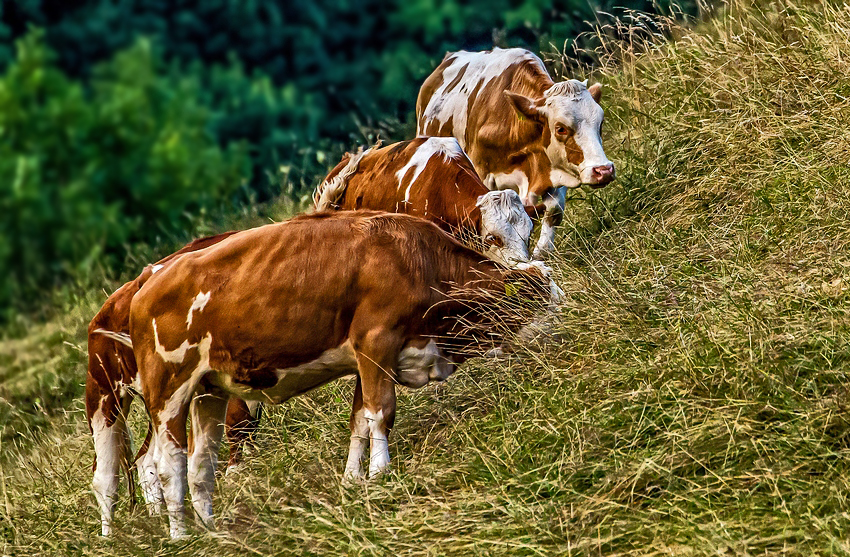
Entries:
{"x":692,"y":399}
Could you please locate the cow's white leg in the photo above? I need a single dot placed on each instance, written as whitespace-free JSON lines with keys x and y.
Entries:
{"x":108,"y":447}
{"x":149,"y":480}
{"x":379,"y":456}
{"x":554,"y":212}
{"x":359,"y":435}
{"x":171,"y":467}
{"x":208,"y":414}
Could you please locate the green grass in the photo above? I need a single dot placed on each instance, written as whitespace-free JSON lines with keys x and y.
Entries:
{"x":694,"y":402}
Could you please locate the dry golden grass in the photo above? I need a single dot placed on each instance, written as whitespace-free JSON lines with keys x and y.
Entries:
{"x":694,"y":402}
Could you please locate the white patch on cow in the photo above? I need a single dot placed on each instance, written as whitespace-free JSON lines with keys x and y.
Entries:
{"x":156,"y":268}
{"x":569,"y":103}
{"x":330,"y":365}
{"x":503,"y":216}
{"x":149,"y":480}
{"x":329,"y":192}
{"x":199,"y":303}
{"x":566,"y":178}
{"x":207,"y":414}
{"x":417,"y":366}
{"x":357,"y":446}
{"x":172,"y":461}
{"x":515,"y":180}
{"x":175,"y":356}
{"x":379,"y":454}
{"x":107,"y":448}
{"x":446,"y":147}
{"x":480,"y":68}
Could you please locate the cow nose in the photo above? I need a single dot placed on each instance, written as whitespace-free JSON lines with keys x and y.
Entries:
{"x":603,"y":174}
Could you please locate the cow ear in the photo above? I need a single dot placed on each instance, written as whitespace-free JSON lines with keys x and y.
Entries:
{"x":595,"y":91}
{"x":525,"y":107}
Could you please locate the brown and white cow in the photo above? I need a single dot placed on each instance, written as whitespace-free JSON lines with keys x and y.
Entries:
{"x":273,"y":312}
{"x":432,"y":178}
{"x":521,"y":130}
{"x":110,"y":384}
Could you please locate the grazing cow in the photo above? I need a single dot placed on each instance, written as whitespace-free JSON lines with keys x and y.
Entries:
{"x":273,"y":312}
{"x":110,"y":384}
{"x":521,"y":130}
{"x":432,"y":178}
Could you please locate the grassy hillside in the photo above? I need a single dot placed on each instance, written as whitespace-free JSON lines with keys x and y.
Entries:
{"x":694,"y":402}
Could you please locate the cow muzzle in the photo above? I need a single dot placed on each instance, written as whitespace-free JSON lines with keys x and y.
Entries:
{"x":601,"y":176}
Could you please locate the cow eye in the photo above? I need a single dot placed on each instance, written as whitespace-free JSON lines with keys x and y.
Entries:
{"x":562,"y":130}
{"x":493,"y":240}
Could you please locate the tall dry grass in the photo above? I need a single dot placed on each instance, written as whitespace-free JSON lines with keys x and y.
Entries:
{"x":695,"y":400}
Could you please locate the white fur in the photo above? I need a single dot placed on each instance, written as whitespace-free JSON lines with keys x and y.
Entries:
{"x":156,"y":268}
{"x":481,"y":68}
{"x":175,"y":356}
{"x":515,"y":180}
{"x":107,"y":446}
{"x":569,"y":103}
{"x":330,"y":191}
{"x":208,"y":414}
{"x":418,"y":366}
{"x":330,"y":365}
{"x":149,"y":480}
{"x":503,"y":215}
{"x":172,"y":459}
{"x":446,"y":147}
{"x":357,"y":446}
{"x":199,"y":303}
{"x":379,"y":456}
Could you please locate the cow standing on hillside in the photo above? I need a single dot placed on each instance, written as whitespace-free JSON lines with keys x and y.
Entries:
{"x":432,"y":178}
{"x":110,"y":383}
{"x":273,"y":312}
{"x":521,"y":130}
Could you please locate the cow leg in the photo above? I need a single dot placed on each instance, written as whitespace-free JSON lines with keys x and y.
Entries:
{"x":554,"y":201}
{"x":149,"y":479}
{"x":359,"y":434}
{"x":171,"y":444}
{"x":109,"y":448}
{"x":377,"y":354}
{"x":208,"y":414}
{"x":243,"y":419}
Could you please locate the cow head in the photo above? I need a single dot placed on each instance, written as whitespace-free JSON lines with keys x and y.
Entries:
{"x":505,"y":227}
{"x":571,"y":121}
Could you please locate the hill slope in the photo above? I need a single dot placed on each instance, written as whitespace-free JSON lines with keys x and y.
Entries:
{"x":694,"y":403}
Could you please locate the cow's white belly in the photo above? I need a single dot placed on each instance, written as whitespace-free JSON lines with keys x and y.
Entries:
{"x":415,"y":367}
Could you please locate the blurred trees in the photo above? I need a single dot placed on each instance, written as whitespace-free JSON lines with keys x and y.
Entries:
{"x":152,"y":109}
{"x":82,"y":173}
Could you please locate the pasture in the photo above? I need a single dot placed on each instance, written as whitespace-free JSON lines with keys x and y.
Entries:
{"x":693,"y":400}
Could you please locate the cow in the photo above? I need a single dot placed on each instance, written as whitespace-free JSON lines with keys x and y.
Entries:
{"x":432,"y":178}
{"x":110,"y":387}
{"x":521,"y":130}
{"x":276,"y":311}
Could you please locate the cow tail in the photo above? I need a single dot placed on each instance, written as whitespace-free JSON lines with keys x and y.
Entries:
{"x":123,"y":338}
{"x":331,"y":190}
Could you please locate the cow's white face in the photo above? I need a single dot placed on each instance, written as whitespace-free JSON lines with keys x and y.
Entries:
{"x":505,"y":227}
{"x":572,"y":118}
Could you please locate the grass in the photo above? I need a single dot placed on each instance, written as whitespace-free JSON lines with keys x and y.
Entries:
{"x":694,"y":403}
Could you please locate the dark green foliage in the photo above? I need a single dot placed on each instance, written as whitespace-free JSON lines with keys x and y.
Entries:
{"x":83,"y":173}
{"x":347,"y":69}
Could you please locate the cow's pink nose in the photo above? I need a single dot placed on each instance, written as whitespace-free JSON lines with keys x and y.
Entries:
{"x":603,"y":174}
